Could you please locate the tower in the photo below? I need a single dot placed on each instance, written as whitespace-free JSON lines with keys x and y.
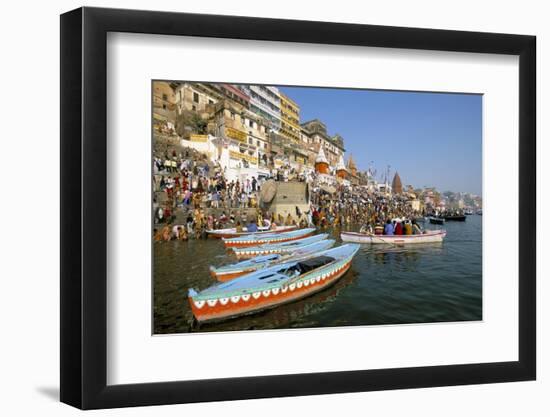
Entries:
{"x":341,"y":171}
{"x":351,"y":166}
{"x":321,"y":162}
{"x":396,"y":185}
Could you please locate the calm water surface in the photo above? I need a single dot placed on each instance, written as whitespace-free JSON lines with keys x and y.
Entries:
{"x":385,"y":285}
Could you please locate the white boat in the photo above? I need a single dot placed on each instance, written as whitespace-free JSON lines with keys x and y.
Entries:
{"x":429,"y":236}
{"x":283,"y":248}
{"x":232,"y":232}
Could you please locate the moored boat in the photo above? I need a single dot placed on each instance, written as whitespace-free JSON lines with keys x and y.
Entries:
{"x":284,"y":247}
{"x":273,"y":286}
{"x":455,"y":218}
{"x":232,"y":271}
{"x":232,"y":232}
{"x":429,"y":236}
{"x":254,"y":240}
{"x":436,"y":220}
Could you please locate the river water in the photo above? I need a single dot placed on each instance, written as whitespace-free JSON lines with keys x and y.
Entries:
{"x":385,"y":285}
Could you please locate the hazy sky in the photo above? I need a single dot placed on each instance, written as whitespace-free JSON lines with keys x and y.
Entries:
{"x":430,"y":139}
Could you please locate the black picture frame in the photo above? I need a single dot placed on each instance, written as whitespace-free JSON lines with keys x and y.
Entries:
{"x":84,"y":207}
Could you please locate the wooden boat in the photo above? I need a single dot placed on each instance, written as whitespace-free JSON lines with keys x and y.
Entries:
{"x":429,"y":236}
{"x":436,"y":220}
{"x":229,"y":272}
{"x":284,"y":247}
{"x":455,"y":218}
{"x":468,"y":212}
{"x":232,"y":232}
{"x":273,"y":286}
{"x":269,"y":238}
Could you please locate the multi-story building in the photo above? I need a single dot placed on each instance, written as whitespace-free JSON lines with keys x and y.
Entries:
{"x":316,"y":133}
{"x":238,"y":138}
{"x":265,"y":101}
{"x":164,"y":106}
{"x":258,"y":138}
{"x":195,"y":97}
{"x":290,"y":119}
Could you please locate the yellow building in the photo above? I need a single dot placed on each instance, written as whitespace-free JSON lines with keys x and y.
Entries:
{"x":290,"y":118}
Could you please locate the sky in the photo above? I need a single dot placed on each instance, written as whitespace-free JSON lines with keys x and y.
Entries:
{"x":431,"y":139}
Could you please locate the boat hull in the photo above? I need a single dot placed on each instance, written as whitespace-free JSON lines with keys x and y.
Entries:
{"x":434,"y":220}
{"x":271,"y":239}
{"x":227,"y":273}
{"x":277,"y":248}
{"x":455,"y":218}
{"x":222,"y":309}
{"x":429,"y":237}
{"x":231,"y":233}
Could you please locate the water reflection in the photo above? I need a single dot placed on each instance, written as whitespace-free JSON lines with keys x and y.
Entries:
{"x":387,"y":284}
{"x":283,"y":316}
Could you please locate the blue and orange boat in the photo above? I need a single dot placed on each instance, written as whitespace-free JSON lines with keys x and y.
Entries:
{"x":272,"y":286}
{"x":254,"y":239}
{"x":232,"y":271}
{"x":279,"y":247}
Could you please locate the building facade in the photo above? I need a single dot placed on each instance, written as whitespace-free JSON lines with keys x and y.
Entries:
{"x":164,"y":107}
{"x":265,"y":101}
{"x":290,"y":119}
{"x":316,"y":132}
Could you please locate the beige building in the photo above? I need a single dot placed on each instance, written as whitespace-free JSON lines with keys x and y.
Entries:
{"x":258,"y":137}
{"x":315,"y":132}
{"x":195,"y":97}
{"x":164,"y":107}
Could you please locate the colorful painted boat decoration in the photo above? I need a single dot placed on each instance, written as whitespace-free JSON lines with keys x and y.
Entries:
{"x":273,"y":286}
{"x":271,"y":238}
{"x":281,"y":248}
{"x":232,"y":232}
{"x":229,"y":272}
{"x":429,"y":236}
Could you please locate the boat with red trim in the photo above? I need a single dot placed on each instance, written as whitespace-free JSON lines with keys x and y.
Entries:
{"x":273,"y":286}
{"x":232,"y":271}
{"x":284,"y":247}
{"x":270,"y":238}
{"x":232,"y":232}
{"x":429,"y":236}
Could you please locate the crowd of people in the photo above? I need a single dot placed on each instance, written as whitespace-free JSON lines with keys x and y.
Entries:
{"x":189,"y":181}
{"x":199,"y":192}
{"x":359,"y":206}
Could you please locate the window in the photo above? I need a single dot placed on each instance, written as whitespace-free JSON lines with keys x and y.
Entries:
{"x":250,"y":141}
{"x":196,"y":97}
{"x":257,"y":143}
{"x":194,"y":108}
{"x":164,"y":97}
{"x":210,"y":101}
